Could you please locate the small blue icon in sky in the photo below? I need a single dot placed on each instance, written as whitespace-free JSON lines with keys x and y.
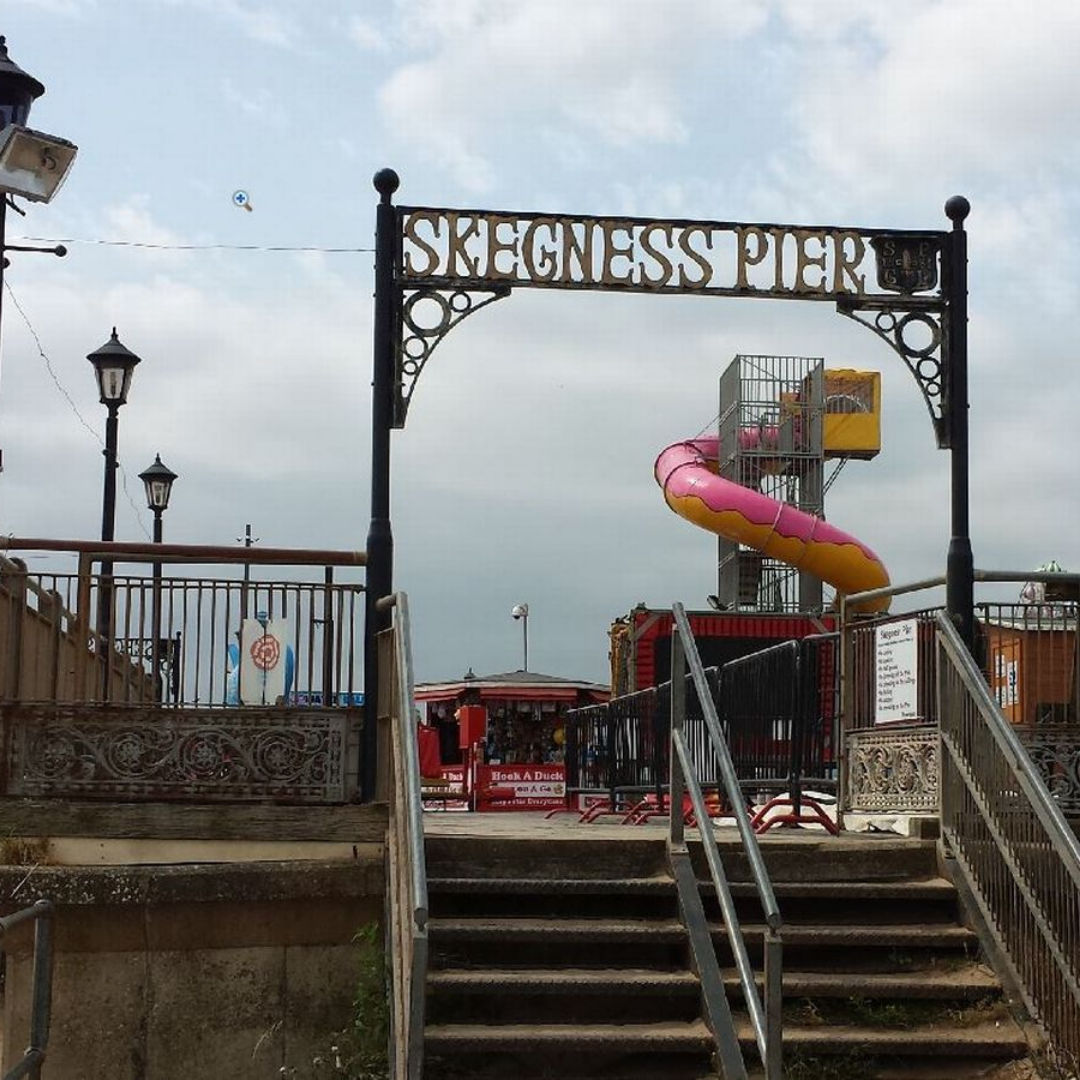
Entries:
{"x":242,"y":199}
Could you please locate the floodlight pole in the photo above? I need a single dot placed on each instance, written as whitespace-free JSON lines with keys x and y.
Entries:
{"x":960,"y":564}
{"x":380,"y":540}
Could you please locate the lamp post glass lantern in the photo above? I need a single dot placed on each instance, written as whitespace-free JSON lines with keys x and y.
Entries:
{"x":158,"y":481}
{"x":113,"y":366}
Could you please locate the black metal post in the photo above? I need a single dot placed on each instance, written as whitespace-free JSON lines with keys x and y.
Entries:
{"x":3,"y":267}
{"x":960,"y":565}
{"x":155,"y":646}
{"x":329,"y":653}
{"x":108,"y":502}
{"x":108,"y":530}
{"x":380,"y":540}
{"x":247,"y":580}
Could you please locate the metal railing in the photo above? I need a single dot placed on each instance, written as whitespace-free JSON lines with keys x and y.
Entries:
{"x":41,"y":988}
{"x":766,"y":1008}
{"x":407,"y":907}
{"x":1015,"y":849}
{"x":1029,"y":654}
{"x":619,"y":748}
{"x":187,"y":688}
{"x":779,"y":708}
{"x":178,"y":640}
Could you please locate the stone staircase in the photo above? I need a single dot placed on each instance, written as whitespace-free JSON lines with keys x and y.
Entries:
{"x":567,"y":958}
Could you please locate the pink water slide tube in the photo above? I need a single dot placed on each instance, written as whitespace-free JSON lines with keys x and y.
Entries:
{"x":687,"y":473}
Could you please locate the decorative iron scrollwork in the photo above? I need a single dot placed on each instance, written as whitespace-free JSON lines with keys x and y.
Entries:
{"x":1055,"y":751}
{"x":299,"y":758}
{"x":893,"y":770}
{"x":900,"y":327}
{"x":428,"y":314}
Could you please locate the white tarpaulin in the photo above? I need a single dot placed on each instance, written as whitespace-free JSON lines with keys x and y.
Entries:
{"x":262,"y":661}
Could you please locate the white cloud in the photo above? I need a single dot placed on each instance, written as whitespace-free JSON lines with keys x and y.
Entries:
{"x":259,"y":104}
{"x":368,"y":36}
{"x":607,"y":70}
{"x":258,"y":21}
{"x":58,"y":7}
{"x":968,"y":88}
{"x":132,"y":222}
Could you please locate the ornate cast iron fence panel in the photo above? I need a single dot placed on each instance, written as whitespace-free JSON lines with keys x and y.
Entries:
{"x":893,"y":770}
{"x":279,"y":755}
{"x":1054,"y":750}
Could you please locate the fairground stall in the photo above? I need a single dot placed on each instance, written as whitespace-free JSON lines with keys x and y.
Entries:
{"x":500,"y":738}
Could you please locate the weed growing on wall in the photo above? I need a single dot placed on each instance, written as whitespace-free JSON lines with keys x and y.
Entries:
{"x":360,"y":1051}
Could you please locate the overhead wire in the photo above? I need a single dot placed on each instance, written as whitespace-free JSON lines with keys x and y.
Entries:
{"x":198,"y":247}
{"x":74,"y":408}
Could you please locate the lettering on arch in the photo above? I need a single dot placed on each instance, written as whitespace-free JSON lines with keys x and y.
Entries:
{"x":476,"y":249}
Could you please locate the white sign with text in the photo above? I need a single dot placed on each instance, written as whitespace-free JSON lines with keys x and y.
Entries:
{"x":896,"y":685}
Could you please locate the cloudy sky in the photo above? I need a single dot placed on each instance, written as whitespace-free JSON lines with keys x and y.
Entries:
{"x":525,"y":471}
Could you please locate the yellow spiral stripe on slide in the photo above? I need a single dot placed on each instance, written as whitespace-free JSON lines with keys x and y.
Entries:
{"x":844,"y":566}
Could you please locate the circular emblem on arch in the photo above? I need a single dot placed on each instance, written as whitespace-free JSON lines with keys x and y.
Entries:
{"x":912,"y":326}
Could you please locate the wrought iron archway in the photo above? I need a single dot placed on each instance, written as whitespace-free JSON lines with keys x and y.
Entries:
{"x":434,"y":267}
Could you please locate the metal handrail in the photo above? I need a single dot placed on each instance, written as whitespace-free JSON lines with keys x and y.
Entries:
{"x":766,"y":1012}
{"x":41,"y":992}
{"x":1034,"y":786}
{"x":410,"y":923}
{"x":1031,"y":805}
{"x":414,"y":801}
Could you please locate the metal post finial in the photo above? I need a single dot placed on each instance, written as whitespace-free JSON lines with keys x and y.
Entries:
{"x":386,"y":182}
{"x":957,"y":209}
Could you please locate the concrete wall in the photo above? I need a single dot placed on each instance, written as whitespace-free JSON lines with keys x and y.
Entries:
{"x":237,"y":971}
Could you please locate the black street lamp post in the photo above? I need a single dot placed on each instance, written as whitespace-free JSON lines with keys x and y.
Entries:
{"x":113,"y":366}
{"x":158,"y":480}
{"x":32,"y":165}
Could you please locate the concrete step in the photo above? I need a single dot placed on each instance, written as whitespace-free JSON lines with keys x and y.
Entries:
{"x":661,"y":943}
{"x":632,"y":853}
{"x":552,"y":943}
{"x":645,"y":1051}
{"x":968,"y":982}
{"x":690,"y":1037}
{"x":847,"y":903}
{"x":506,"y":995}
{"x":995,"y":1040}
{"x":562,"y":981}
{"x":591,"y":996}
{"x":511,"y":929}
{"x":933,"y":888}
{"x":536,"y":857}
{"x":652,"y":897}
